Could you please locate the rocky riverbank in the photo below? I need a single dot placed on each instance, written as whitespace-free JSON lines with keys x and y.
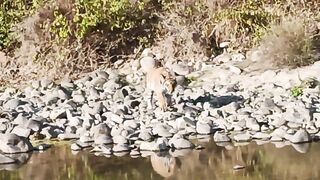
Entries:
{"x":106,"y":110}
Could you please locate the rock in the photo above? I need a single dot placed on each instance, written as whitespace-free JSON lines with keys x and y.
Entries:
{"x":85,"y":138}
{"x":280,"y":132}
{"x":34,"y":125}
{"x":203,"y":128}
{"x":238,"y":167}
{"x":103,"y":139}
{"x":161,"y":144}
{"x":222,"y":58}
{"x":119,"y":139}
{"x":46,"y":83}
{"x":121,"y":148}
{"x":135,"y":153}
{"x":180,"y":143}
{"x":68,"y":136}
{"x":261,"y":136}
{"x":230,"y":108}
{"x":184,"y":122}
{"x":276,"y":139}
{"x":243,"y":137}
{"x":301,"y":136}
{"x":116,"y":118}
{"x":12,"y":143}
{"x":75,"y":147}
{"x":180,"y":69}
{"x":221,"y":137}
{"x":42,"y":147}
{"x":277,"y":122}
{"x":21,"y":131}
{"x":6,"y":160}
{"x":58,"y":114}
{"x":100,"y":129}
{"x":79,"y":98}
{"x":12,"y":104}
{"x":252,"y":124}
{"x":235,"y":69}
{"x":145,"y":135}
{"x":162,"y":130}
{"x":105,"y":149}
{"x":238,"y":57}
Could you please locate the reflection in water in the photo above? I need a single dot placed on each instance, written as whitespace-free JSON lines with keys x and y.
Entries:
{"x":214,"y":162}
{"x":20,"y":159}
{"x":163,"y":163}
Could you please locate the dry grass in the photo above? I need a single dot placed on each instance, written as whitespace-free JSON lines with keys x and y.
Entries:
{"x":290,"y":43}
{"x":188,"y":31}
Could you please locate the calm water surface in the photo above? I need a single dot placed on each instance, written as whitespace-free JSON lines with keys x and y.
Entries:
{"x":267,"y":161}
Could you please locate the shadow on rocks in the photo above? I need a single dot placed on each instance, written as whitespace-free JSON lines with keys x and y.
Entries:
{"x":218,"y":101}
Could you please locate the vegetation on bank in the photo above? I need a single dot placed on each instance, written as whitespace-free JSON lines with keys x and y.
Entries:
{"x":69,"y":37}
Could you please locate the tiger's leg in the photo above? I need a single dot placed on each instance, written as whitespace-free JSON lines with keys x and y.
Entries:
{"x":162,"y":100}
{"x":150,"y":102}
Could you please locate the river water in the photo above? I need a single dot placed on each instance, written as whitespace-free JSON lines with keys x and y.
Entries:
{"x":243,"y":161}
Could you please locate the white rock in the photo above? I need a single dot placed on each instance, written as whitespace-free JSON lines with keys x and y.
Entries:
{"x":301,"y":136}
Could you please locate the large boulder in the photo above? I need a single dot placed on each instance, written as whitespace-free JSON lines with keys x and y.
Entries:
{"x":11,"y":143}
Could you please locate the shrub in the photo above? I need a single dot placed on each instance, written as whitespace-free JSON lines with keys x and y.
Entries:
{"x":289,"y":44}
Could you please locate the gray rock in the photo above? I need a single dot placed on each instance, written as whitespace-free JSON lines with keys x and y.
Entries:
{"x":135,"y":153}
{"x":276,"y":139}
{"x":277,"y":122}
{"x":46,"y":83}
{"x":230,"y":108}
{"x":261,"y":136}
{"x":180,"y":69}
{"x":145,"y":135}
{"x":58,"y":114}
{"x":12,"y":104}
{"x":221,"y":137}
{"x":75,"y":147}
{"x":121,"y":148}
{"x":102,"y":129}
{"x":11,"y":143}
{"x":43,"y":146}
{"x":243,"y":137}
{"x":161,"y":144}
{"x":21,"y":131}
{"x":103,"y":139}
{"x":280,"y":132}
{"x":68,"y":136}
{"x":6,"y":160}
{"x":116,"y":118}
{"x":79,"y":98}
{"x":180,"y":143}
{"x":301,"y":136}
{"x":184,"y":122}
{"x":21,"y":119}
{"x":85,"y":138}
{"x":162,"y":130}
{"x":119,"y":139}
{"x":252,"y":124}
{"x":35,"y":125}
{"x":203,"y":128}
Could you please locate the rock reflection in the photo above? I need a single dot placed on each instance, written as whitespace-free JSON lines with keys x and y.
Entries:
{"x":163,"y":163}
{"x":225,"y":161}
{"x":20,"y":159}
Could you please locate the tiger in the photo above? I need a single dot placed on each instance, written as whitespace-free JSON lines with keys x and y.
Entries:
{"x":160,"y":81}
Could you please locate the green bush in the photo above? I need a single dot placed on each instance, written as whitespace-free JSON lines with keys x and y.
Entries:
{"x":11,"y":13}
{"x":91,"y":15}
{"x":244,"y":23}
